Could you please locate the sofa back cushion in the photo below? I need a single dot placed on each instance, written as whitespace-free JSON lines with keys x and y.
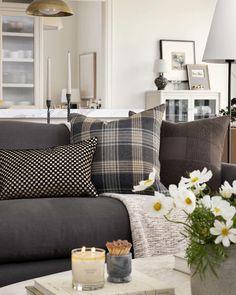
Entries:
{"x":192,"y":146}
{"x":127,"y":149}
{"x":25,"y":135}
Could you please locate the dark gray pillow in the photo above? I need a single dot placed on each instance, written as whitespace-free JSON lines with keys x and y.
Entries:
{"x":54,"y":172}
{"x":127,"y":149}
{"x":193,"y":145}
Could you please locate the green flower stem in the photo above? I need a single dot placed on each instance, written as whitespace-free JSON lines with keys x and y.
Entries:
{"x":177,"y":222}
{"x":151,"y":187}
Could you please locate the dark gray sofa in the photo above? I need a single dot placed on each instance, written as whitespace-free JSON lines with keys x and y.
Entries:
{"x":37,"y":235}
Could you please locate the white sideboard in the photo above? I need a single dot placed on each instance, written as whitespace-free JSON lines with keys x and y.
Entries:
{"x":185,"y":105}
{"x":60,"y":115}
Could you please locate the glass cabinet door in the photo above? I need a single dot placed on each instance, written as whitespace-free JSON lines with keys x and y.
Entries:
{"x":204,"y":108}
{"x":177,"y":110}
{"x":18,"y":66}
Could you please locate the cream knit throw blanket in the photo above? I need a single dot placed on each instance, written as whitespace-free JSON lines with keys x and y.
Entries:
{"x":152,"y":236}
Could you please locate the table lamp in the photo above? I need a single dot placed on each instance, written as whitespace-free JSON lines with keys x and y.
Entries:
{"x":161,"y":68}
{"x":221,"y":46}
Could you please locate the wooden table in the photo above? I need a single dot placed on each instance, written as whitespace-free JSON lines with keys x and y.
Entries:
{"x":159,"y":267}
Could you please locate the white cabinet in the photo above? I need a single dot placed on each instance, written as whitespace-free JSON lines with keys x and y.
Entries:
{"x":20,"y":58}
{"x":185,"y":105}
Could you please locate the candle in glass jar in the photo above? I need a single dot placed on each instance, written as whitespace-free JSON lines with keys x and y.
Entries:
{"x":88,"y":268}
{"x":68,"y":74}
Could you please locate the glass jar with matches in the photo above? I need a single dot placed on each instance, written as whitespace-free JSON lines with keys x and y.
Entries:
{"x":119,"y":261}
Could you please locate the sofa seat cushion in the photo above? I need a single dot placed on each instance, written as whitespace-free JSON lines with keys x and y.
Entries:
{"x":37,"y":229}
{"x":11,"y":273}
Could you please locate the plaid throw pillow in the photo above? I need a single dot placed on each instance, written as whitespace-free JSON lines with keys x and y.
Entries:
{"x":127,"y":149}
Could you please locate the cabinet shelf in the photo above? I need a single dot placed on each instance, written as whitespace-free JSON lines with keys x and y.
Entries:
{"x":18,"y":60}
{"x":185,"y":105}
{"x":10,"y":34}
{"x":21,"y":58}
{"x":16,"y":85}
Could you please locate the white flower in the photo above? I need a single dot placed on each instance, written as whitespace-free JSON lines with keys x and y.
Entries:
{"x":216,"y":207}
{"x":228,"y":212}
{"x":144,"y":184}
{"x":234,"y":187}
{"x":226,"y":190}
{"x":199,"y":188}
{"x":224,"y":231}
{"x":183,"y":198}
{"x":206,"y":202}
{"x":197,"y":177}
{"x":222,"y":208}
{"x":158,"y":205}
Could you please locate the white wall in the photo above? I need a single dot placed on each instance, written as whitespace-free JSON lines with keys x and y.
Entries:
{"x":56,"y":45}
{"x":81,"y":33}
{"x":90,"y":36}
{"x":137,"y":28}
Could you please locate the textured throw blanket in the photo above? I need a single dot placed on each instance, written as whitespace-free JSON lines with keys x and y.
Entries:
{"x":152,"y":236}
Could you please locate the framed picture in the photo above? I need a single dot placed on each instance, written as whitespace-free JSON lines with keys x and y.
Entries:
{"x":177,"y":53}
{"x":87,"y":75}
{"x":198,"y":77}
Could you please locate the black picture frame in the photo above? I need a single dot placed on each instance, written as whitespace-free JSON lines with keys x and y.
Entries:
{"x":177,"y":53}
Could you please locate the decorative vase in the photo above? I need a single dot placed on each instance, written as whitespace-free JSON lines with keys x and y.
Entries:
{"x":224,"y":284}
{"x":119,"y":268}
{"x":161,"y":82}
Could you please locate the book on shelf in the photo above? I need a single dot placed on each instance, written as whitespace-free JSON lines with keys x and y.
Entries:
{"x":181,"y":263}
{"x":140,"y":284}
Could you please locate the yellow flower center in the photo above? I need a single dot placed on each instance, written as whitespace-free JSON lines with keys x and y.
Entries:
{"x":157,"y":206}
{"x":147,"y":182}
{"x":217,"y":210}
{"x":194,"y":179}
{"x":225,"y":231}
{"x":188,"y":201}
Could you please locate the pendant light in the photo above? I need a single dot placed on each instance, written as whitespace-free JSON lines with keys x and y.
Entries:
{"x":49,"y":8}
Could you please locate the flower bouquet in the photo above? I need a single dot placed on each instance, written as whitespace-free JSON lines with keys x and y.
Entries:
{"x":210,"y":224}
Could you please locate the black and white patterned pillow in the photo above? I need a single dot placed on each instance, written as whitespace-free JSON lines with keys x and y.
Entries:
{"x":127,"y":149}
{"x":54,"y":172}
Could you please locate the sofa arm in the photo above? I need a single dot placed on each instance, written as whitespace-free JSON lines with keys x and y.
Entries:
{"x":228,"y":172}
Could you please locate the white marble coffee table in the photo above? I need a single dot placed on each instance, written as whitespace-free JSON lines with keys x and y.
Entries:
{"x":159,"y":267}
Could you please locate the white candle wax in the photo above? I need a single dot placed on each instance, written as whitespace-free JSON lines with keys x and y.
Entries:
{"x":88,"y":266}
{"x":68,"y":74}
{"x":49,"y":78}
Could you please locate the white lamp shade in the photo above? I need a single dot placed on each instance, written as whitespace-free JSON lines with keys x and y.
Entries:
{"x":161,"y":66}
{"x":221,"y":43}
